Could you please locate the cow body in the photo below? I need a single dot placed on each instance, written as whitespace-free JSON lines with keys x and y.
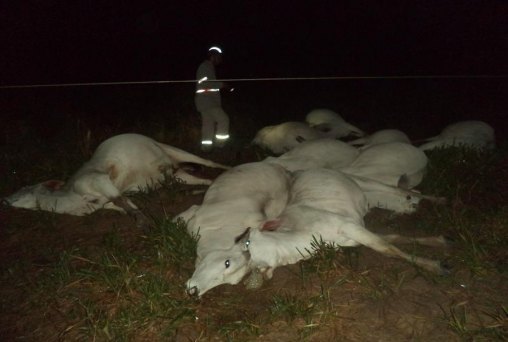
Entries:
{"x":285,"y":136}
{"x":381,"y":137}
{"x":126,"y":162}
{"x":475,"y":134}
{"x":324,"y":205}
{"x":393,"y":198}
{"x":332,"y":124}
{"x":327,"y":153}
{"x":396,"y":164}
{"x":336,"y":154}
{"x":241,"y":197}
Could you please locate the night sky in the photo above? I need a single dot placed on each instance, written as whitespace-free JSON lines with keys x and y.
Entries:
{"x":84,"y":41}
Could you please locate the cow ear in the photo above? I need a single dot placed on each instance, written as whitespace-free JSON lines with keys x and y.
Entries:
{"x":53,"y":185}
{"x":243,"y":239}
{"x":271,"y":225}
{"x":90,"y":199}
{"x":403,"y":182}
{"x":323,"y":127}
{"x":300,"y":139}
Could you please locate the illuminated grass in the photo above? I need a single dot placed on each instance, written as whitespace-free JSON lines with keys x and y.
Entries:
{"x":130,"y":286}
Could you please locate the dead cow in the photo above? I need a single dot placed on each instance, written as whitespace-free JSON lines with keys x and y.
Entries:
{"x":244,"y":196}
{"x":381,"y":137}
{"x":396,"y":164}
{"x":326,"y":153}
{"x":126,"y":162}
{"x":474,"y":134}
{"x":332,"y":124}
{"x":336,"y":154}
{"x":324,"y":204}
{"x":285,"y":136}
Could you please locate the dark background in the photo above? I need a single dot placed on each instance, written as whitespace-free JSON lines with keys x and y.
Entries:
{"x":48,"y":42}
{"x":81,"y":41}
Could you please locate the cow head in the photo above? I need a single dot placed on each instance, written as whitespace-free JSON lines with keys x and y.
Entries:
{"x":50,"y":196}
{"x":332,"y":123}
{"x":221,"y":267}
{"x":402,"y":202}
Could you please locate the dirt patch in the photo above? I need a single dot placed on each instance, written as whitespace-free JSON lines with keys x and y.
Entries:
{"x":363,"y":297}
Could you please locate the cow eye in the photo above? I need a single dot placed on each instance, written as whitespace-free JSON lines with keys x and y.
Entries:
{"x":227,"y":263}
{"x":408,"y":197}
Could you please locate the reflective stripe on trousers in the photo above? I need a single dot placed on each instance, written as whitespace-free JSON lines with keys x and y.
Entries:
{"x":215,"y":123}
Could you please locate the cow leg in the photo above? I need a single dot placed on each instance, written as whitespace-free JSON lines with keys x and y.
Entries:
{"x":188,"y":214}
{"x":100,"y":185}
{"x":190,"y":179}
{"x":433,"y":241}
{"x":363,"y":236}
{"x":133,"y":211}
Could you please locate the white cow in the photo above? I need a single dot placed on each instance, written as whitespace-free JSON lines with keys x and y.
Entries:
{"x":324,"y":204}
{"x":332,"y":124}
{"x":380,"y":137}
{"x":327,"y":153}
{"x":126,"y":162}
{"x":476,"y":134}
{"x":285,"y":136}
{"x":396,"y":199}
{"x":244,"y":196}
{"x":396,"y":164}
{"x":336,"y":154}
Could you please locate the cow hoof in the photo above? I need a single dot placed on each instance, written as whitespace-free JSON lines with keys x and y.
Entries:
{"x":446,"y":268}
{"x":449,"y":241}
{"x":143,"y":223}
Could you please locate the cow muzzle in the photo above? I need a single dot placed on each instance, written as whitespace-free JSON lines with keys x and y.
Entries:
{"x":193,"y":291}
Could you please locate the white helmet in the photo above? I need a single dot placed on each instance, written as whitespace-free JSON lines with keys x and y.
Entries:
{"x":215,"y":48}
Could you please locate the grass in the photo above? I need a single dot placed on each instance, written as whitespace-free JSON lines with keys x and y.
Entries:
{"x":458,"y":318}
{"x":115,"y":294}
{"x":290,"y":307}
{"x":171,"y":245}
{"x":463,"y":174}
{"x":323,"y":258}
{"x":125,"y":285}
{"x":238,"y":329}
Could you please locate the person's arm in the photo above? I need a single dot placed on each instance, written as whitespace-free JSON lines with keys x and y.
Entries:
{"x":207,"y":70}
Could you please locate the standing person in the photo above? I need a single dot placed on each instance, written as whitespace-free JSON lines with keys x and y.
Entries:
{"x":215,"y":122}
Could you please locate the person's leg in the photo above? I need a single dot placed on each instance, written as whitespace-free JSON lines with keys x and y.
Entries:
{"x":222,"y":131}
{"x":207,"y":130}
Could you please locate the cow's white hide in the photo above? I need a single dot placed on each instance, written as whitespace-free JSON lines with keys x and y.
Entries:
{"x":324,"y":205}
{"x":285,"y":136}
{"x":396,"y":164}
{"x":332,"y":124}
{"x":475,"y":134}
{"x":336,"y":154}
{"x":327,"y":153}
{"x":396,"y":199}
{"x":241,"y":197}
{"x":381,"y":137}
{"x":126,"y":162}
